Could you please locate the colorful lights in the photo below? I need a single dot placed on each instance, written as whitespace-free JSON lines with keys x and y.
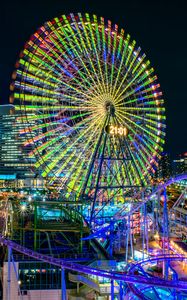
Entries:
{"x":67,"y":73}
{"x":178,"y":247}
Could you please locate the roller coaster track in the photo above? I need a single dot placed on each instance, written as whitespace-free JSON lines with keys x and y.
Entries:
{"x":132,"y":279}
{"x":136,"y":290}
{"x":167,"y":257}
{"x":122,"y":213}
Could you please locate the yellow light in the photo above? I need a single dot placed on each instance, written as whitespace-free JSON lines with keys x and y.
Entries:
{"x":156,"y":236}
{"x":23,"y":207}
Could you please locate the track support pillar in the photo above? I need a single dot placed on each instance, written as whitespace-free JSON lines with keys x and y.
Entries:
{"x":9,"y":273}
{"x":63,"y":284}
{"x":112,"y":289}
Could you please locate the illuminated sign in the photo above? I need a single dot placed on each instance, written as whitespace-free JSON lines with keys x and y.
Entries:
{"x":116,"y":130}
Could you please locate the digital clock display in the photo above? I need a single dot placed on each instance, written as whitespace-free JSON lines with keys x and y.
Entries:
{"x":116,"y":130}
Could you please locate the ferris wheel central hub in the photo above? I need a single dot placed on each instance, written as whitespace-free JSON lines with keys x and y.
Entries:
{"x":110,"y":108}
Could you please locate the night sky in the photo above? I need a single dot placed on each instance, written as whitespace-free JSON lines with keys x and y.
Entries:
{"x":159,"y":27}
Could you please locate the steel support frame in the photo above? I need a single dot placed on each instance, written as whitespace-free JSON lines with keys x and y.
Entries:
{"x":63,"y":285}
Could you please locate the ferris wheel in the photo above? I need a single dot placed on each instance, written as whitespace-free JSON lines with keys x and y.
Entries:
{"x":87,"y":93}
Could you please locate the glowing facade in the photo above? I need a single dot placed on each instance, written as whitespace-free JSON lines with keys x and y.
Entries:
{"x":14,"y":163}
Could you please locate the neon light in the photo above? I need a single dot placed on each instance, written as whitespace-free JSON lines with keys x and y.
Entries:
{"x":69,"y":70}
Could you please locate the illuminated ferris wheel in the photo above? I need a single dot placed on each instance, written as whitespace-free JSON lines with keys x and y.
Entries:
{"x":89,"y":94}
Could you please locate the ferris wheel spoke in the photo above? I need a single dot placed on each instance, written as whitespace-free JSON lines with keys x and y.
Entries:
{"x":144,"y":119}
{"x":152,"y":141}
{"x":140,"y":76}
{"x":96,"y":52}
{"x":39,"y":149}
{"x":90,"y":39}
{"x":32,"y":97}
{"x":31,"y":118}
{"x":70,"y":61}
{"x":73,"y":78}
{"x":51,"y":53}
{"x":100,"y":81}
{"x":154,"y":109}
{"x":135,"y":170}
{"x":61,"y":121}
{"x":123,"y":56}
{"x":42,"y":60}
{"x":148,"y":144}
{"x":142,"y":128}
{"x":150,"y":160}
{"x":142,"y":168}
{"x":30,"y":129}
{"x":32,"y":77}
{"x":51,"y":153}
{"x":131,"y":47}
{"x":105,"y":48}
{"x":101,"y":45}
{"x":142,"y":99}
{"x":83,"y":47}
{"x":40,"y":136}
{"x":37,"y":70}
{"x":76,"y":169}
{"x":128,"y":65}
{"x":64,"y":152}
{"x":45,"y":157}
{"x":113,"y":58}
{"x":139,"y":91}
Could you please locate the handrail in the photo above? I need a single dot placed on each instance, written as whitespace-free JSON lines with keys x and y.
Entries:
{"x":85,"y":280}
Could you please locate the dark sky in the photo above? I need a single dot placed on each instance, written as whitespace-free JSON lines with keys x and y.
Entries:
{"x":159,"y":27}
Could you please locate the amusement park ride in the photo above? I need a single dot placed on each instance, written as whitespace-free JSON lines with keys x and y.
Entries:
{"x":95,"y":127}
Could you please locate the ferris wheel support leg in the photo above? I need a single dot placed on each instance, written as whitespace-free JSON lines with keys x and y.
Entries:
{"x":81,"y":233}
{"x":166,"y":223}
{"x":35,"y":225}
{"x":143,"y":231}
{"x":154,"y":217}
{"x":92,"y":163}
{"x":131,"y":237}
{"x":63,"y":285}
{"x":146,"y":229}
{"x":111,"y":237}
{"x":157,"y":205}
{"x":98,"y":177}
{"x":127,"y":241}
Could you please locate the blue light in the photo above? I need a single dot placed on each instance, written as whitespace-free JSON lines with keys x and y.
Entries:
{"x":4,"y":177}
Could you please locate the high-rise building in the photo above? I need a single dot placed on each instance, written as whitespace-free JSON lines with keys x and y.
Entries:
{"x":185,"y":162}
{"x":179,"y":165}
{"x":164,"y":167}
{"x":14,"y":161}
